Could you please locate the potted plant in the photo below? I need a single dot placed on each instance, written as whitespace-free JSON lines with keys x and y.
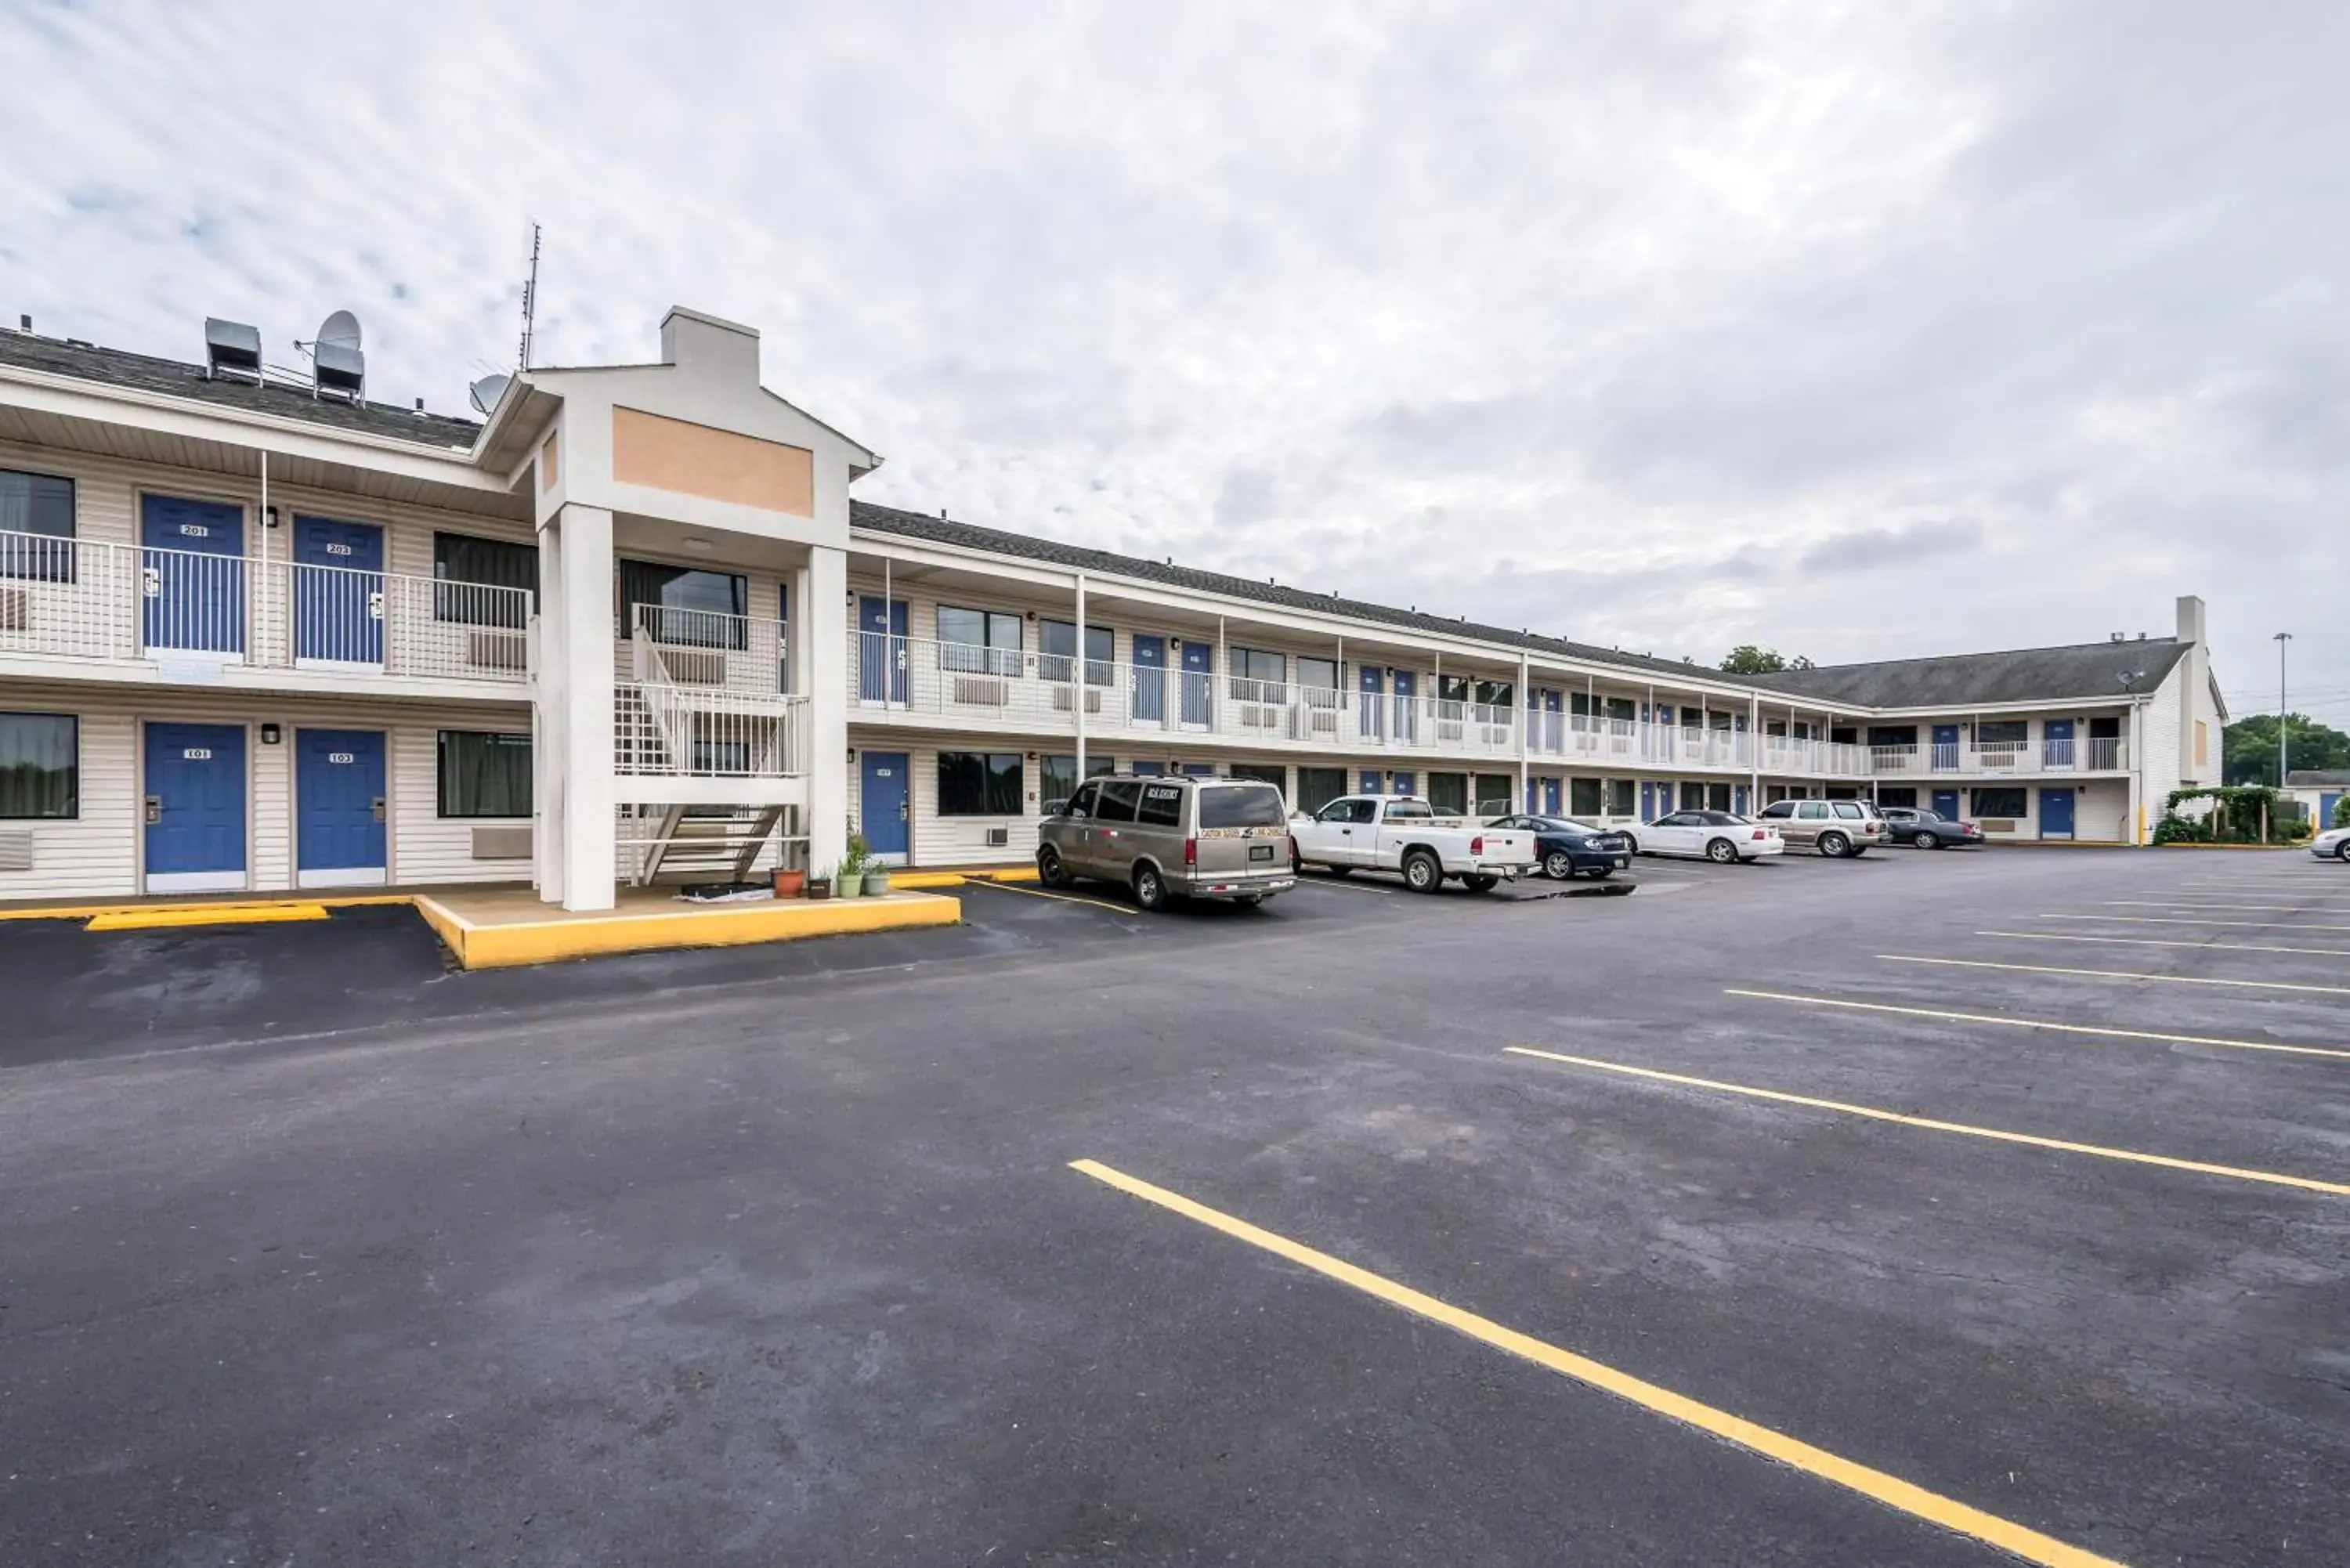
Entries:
{"x":790,"y":880}
{"x":877,"y":878}
{"x":850,"y":879}
{"x":819,"y":886}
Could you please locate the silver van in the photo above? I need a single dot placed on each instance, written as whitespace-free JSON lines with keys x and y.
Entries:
{"x":1179,"y":836}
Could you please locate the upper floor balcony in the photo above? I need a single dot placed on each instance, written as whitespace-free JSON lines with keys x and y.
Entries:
{"x":2051,"y":754}
{"x":705,"y":695}
{"x":77,"y":599}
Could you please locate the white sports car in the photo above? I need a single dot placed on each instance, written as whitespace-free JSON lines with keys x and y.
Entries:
{"x":1715,"y":835}
{"x":2332,"y":845}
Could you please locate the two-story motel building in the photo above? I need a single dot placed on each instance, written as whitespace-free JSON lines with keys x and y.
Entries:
{"x":631,"y":627}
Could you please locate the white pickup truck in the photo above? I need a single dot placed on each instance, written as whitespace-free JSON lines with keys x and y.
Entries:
{"x":1403,"y":833}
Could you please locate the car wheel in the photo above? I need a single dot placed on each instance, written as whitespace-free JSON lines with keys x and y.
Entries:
{"x":1835,"y":846}
{"x":1721,"y":851}
{"x":1297,"y":866}
{"x":1421,"y":873}
{"x":1926,"y":841}
{"x":1558,"y":865}
{"x":2342,"y":854}
{"x":1631,"y":845}
{"x":1149,"y":888}
{"x":1049,"y":869}
{"x":1480,"y":884}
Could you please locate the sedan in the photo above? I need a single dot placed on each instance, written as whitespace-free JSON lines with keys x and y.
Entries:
{"x":2334,"y":844}
{"x":1570,"y":848}
{"x":1716,"y":836}
{"x":1928,"y":830}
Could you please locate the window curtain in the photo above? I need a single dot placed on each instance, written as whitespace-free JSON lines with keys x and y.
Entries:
{"x":484,"y":775}
{"x":39,"y":768}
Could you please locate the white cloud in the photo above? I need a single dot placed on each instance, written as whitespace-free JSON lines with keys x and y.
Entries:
{"x":1667,"y":306}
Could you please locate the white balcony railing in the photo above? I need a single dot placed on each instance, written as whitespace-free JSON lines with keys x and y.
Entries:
{"x":705,"y":650}
{"x":667,"y":730}
{"x":74,"y":598}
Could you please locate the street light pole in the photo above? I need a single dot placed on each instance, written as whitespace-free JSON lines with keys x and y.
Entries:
{"x":2282,"y":639}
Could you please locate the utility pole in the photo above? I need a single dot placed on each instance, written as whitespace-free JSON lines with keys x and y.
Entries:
{"x":2282,"y":639}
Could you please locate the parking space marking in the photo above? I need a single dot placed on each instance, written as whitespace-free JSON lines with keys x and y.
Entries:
{"x":2168,"y":942}
{"x":1874,"y":1484}
{"x":1056,"y":898}
{"x":2210,"y":904}
{"x":2173,"y":921}
{"x":2039,"y":1023}
{"x":2000,"y":1134}
{"x":1352,"y":885}
{"x":2116,"y":974}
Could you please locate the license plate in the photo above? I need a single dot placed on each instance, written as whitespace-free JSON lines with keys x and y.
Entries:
{"x":1260,"y":852}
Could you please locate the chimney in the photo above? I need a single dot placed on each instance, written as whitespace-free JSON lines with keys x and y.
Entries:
{"x":709,"y":345}
{"x":2190,"y":618}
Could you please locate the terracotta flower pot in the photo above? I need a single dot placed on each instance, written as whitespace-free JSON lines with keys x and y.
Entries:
{"x":790,"y":884}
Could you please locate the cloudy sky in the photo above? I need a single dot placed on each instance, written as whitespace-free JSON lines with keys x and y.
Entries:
{"x":1855,"y":330}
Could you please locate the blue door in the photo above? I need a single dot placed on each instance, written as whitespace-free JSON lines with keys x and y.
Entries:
{"x":883,"y":801}
{"x":1198,"y":670}
{"x":338,"y":806}
{"x":1551,"y":800}
{"x":193,"y":574}
{"x":1738,"y":800}
{"x":195,"y":807}
{"x":1150,"y":679}
{"x":1649,"y":810}
{"x":1946,"y":759}
{"x":880,"y":650}
{"x":2056,"y":742}
{"x":338,"y":591}
{"x":1370,"y":715}
{"x":1946,"y":801}
{"x":2327,"y":805}
{"x":2056,"y":814}
{"x":1664,"y":801}
{"x":1406,"y":727}
{"x":1400,"y":783}
{"x":1369,"y":783}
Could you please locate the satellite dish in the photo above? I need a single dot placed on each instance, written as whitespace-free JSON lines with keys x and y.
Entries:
{"x":486,"y":393}
{"x":341,"y":330}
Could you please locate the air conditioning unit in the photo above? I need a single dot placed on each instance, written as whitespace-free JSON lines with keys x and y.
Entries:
{"x":1063,"y":702}
{"x":1256,"y":716}
{"x":16,"y":850}
{"x":999,"y":838}
{"x":980,"y":691}
{"x":497,"y":651}
{"x":15,"y":610}
{"x":1997,"y":824}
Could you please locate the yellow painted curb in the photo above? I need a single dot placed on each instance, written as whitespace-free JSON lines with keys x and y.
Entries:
{"x":956,"y":878}
{"x":551,"y":942}
{"x":262,"y":901}
{"x":204,"y":915}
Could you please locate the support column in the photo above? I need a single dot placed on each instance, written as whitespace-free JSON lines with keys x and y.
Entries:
{"x":546,"y":710}
{"x":590,"y":854}
{"x":1077,"y":687}
{"x":820,"y":645}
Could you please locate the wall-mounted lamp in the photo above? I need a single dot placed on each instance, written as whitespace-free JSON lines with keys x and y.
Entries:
{"x":269,"y":517}
{"x":269,"y":734}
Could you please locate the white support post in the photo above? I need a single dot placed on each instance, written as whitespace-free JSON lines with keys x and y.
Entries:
{"x":1077,"y":679}
{"x":1525,"y":723}
{"x":826,"y":597}
{"x":548,"y":736}
{"x":591,"y":850}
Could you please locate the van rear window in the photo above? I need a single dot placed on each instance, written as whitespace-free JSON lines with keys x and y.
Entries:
{"x":1162,"y":805}
{"x":1241,"y":806}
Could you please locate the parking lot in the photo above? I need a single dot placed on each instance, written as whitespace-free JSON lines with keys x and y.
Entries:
{"x":1921,"y":1208}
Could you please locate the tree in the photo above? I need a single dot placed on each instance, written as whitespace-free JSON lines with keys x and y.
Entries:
{"x":2249,"y":748}
{"x":1746,"y":659}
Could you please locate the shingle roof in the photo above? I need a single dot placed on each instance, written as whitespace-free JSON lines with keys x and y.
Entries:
{"x":142,"y":372}
{"x":2019,"y":675}
{"x":997,"y":541}
{"x":2317,"y":778}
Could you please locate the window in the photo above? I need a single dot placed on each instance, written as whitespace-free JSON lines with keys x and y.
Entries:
{"x":1844,"y":736}
{"x":1243,"y":805}
{"x":1582,"y":798}
{"x":36,"y":516}
{"x":1896,"y":795}
{"x":1779,"y":811}
{"x":979,"y":642}
{"x":1056,"y":641}
{"x":1278,"y":777}
{"x":2002,"y":801}
{"x":1162,"y":805}
{"x":1118,"y":800}
{"x":1812,"y":811}
{"x":1893,"y":735}
{"x":1717,"y":796}
{"x":979,"y":784}
{"x":463,"y":567}
{"x":1624,"y":709}
{"x":1056,"y":776}
{"x":1849,"y":809}
{"x":1317,"y":787}
{"x":484,"y":775}
{"x":1318,"y":674}
{"x":1495,"y":693}
{"x":1622,"y":797}
{"x":1495,"y":792}
{"x":1344,"y":811}
{"x":1263,"y":674}
{"x":1400,"y":810}
{"x":2003,"y":732}
{"x":1085,"y":802}
{"x":683,"y":606}
{"x":1452,"y":689}
{"x":1448,"y":792}
{"x":40,"y":767}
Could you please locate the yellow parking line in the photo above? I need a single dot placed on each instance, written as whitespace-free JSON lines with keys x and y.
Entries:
{"x":2163,"y":920}
{"x":2265,"y":1177}
{"x":2039,"y":1023}
{"x":2161,"y":942}
{"x":1874,"y":1484}
{"x":2116,"y":974}
{"x":1057,"y":898}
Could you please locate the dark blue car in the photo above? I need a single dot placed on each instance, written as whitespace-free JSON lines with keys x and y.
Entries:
{"x":1570,"y":848}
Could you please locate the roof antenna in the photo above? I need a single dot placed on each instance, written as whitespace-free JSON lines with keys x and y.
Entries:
{"x":530,"y":298}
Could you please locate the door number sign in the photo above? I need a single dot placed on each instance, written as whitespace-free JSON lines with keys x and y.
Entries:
{"x":197,"y":754}
{"x":341,"y":759}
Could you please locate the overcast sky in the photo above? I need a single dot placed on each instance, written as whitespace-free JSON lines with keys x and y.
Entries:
{"x":1858,"y":331}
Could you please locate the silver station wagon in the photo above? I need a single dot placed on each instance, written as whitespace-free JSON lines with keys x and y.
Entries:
{"x":1173,"y":838}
